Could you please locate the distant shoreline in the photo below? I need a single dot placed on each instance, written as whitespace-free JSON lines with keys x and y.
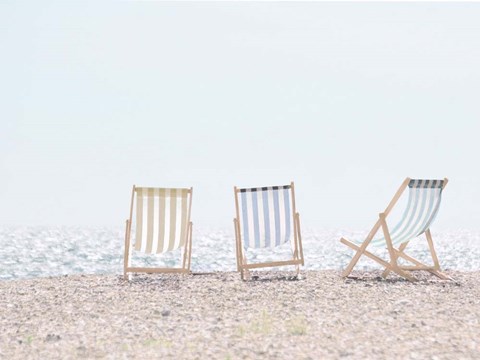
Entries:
{"x":218,"y":316}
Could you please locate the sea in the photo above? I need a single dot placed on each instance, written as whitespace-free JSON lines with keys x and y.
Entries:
{"x":38,"y":251}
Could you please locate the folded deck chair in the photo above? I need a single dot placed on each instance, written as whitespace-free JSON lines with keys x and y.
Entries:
{"x":423,"y":203}
{"x":162,"y":225}
{"x":266,"y":218}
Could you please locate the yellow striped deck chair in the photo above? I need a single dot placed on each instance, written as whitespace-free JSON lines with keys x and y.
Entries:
{"x":423,"y":203}
{"x":162,"y":225}
{"x":264,"y":220}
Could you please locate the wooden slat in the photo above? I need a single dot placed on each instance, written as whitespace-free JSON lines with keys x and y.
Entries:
{"x":127,"y":248}
{"x":137,"y":188}
{"x":300,"y":240}
{"x":272,"y":264}
{"x":370,"y":255}
{"x":364,"y":245}
{"x":416,"y":262}
{"x":131,"y":209}
{"x":128,"y":231}
{"x":445,"y":182}
{"x":417,"y":267}
{"x":236,"y":244}
{"x":156,"y":270}
{"x":397,"y":195}
{"x":400,"y":249}
{"x":190,"y":247}
{"x":294,"y":212}
{"x":241,"y":260}
{"x":436,"y":263}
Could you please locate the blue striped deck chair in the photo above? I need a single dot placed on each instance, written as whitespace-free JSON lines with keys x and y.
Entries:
{"x":162,"y":225}
{"x":423,"y":203}
{"x":266,"y":218}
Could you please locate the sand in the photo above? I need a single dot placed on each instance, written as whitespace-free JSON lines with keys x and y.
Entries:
{"x":217,"y":316}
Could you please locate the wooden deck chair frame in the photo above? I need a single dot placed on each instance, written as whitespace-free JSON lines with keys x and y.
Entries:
{"x":186,"y":253}
{"x":395,"y":254}
{"x":296,"y":241}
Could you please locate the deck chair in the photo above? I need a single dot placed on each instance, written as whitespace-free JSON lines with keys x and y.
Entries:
{"x":423,"y":203}
{"x":162,"y":225}
{"x":264,"y":220}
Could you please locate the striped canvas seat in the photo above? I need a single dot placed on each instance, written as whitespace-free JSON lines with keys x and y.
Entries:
{"x":423,"y":203}
{"x":162,"y":225}
{"x":424,"y":197}
{"x":161,"y":219}
{"x":265,"y":216}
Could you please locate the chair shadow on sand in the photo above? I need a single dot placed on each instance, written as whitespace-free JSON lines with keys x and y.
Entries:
{"x":279,"y":277}
{"x":375,"y":277}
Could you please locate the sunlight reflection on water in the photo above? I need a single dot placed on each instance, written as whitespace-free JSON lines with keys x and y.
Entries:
{"x":27,"y":252}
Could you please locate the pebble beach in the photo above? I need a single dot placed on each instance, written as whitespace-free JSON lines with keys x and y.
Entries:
{"x":218,"y":316}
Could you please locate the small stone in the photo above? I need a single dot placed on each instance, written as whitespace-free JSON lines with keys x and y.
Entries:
{"x":52,"y":338}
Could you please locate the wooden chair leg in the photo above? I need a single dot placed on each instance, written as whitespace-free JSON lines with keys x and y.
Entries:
{"x":245,"y":272}
{"x":434,"y":270}
{"x":433,"y":253}
{"x":189,"y":256}
{"x":299,"y":238}
{"x":400,"y":250}
{"x":354,"y":260}
{"x":361,"y":249}
{"x":240,"y":268}
{"x":393,"y":254}
{"x":379,"y":260}
{"x":297,"y":267}
{"x":126,"y":257}
{"x":418,"y":263}
{"x":184,"y":253}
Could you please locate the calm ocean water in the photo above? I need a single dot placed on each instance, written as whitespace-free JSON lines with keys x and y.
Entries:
{"x":27,"y":252}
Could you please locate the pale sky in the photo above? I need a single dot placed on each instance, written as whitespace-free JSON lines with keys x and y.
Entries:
{"x":346,"y":99}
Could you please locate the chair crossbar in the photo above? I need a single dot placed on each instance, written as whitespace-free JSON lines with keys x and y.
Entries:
{"x":265,"y":188}
{"x":156,"y":270}
{"x":272,"y":264}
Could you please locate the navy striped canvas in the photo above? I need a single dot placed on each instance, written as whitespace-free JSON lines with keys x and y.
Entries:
{"x":265,"y":216}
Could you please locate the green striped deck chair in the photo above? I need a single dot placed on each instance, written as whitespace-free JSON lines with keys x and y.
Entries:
{"x":266,"y":218}
{"x":162,"y":225}
{"x":424,"y":197}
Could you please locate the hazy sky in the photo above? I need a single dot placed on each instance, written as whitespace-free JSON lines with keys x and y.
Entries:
{"x":346,"y":99}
